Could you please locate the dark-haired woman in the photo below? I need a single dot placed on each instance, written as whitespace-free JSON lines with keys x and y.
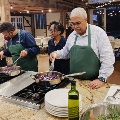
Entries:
{"x":57,"y":43}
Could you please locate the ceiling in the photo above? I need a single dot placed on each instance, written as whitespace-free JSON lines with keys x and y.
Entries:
{"x":104,"y":5}
{"x":43,"y":6}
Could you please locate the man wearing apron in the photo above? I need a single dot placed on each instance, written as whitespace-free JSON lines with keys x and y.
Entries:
{"x":89,"y":50}
{"x":22,"y":44}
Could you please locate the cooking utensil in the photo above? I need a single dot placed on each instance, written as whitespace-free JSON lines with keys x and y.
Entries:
{"x":52,"y":65}
{"x":102,"y":111}
{"x":12,"y":71}
{"x":114,"y":97}
{"x":14,"y":62}
{"x":45,"y":79}
{"x":74,"y":74}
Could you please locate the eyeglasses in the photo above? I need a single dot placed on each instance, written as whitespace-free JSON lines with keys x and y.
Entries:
{"x":76,"y":23}
{"x":52,"y":30}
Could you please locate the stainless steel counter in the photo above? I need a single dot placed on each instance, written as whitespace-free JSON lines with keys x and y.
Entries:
{"x":16,"y":84}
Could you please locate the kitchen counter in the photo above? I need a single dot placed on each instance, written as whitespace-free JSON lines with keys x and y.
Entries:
{"x":89,"y":96}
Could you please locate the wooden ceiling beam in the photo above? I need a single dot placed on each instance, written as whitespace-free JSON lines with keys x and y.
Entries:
{"x":39,"y":5}
{"x":32,"y":3}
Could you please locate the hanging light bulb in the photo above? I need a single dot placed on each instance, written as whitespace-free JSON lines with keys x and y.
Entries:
{"x":28,"y":11}
{"x":110,"y":1}
{"x":11,"y":7}
{"x":50,"y":10}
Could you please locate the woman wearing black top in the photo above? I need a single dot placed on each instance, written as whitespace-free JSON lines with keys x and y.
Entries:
{"x":57,"y":43}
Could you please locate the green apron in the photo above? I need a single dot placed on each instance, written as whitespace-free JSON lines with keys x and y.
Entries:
{"x":83,"y":58}
{"x":27,"y":63}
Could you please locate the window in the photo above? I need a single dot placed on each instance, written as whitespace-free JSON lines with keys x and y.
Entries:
{"x":17,"y":22}
{"x":40,"y":20}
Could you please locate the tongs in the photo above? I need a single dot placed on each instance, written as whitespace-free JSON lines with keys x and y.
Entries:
{"x":13,"y":63}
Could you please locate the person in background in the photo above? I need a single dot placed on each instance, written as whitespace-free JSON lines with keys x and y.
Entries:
{"x":21,"y":44}
{"x":89,"y":50}
{"x":69,"y":30}
{"x":57,"y":43}
{"x":2,"y":47}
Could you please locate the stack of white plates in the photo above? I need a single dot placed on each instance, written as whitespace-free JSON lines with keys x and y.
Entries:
{"x":56,"y":102}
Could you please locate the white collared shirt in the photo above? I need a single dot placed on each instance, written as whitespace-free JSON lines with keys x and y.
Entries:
{"x":100,"y":45}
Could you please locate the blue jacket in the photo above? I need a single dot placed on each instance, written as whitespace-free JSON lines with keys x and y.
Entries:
{"x":27,"y":41}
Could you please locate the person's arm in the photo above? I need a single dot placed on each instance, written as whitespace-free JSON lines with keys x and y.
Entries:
{"x":6,"y":53}
{"x":106,"y":56}
{"x":60,"y":54}
{"x":64,"y":53}
{"x":28,"y":41}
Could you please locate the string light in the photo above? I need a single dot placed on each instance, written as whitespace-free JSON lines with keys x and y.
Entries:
{"x":50,"y":10}
{"x":28,"y":11}
{"x":11,"y":7}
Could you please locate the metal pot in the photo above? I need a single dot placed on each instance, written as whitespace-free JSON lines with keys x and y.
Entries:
{"x":10,"y":71}
{"x":105,"y":111}
{"x":48,"y":82}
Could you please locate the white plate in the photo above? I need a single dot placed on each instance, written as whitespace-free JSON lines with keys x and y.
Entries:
{"x":46,"y":103}
{"x":47,"y":106}
{"x":57,"y":97}
{"x":56,"y":109}
{"x":56,"y":102}
{"x":57,"y":113}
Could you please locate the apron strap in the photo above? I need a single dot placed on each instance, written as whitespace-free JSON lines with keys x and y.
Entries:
{"x":18,"y":38}
{"x":89,"y":37}
{"x":75,"y":40}
{"x":19,"y":35}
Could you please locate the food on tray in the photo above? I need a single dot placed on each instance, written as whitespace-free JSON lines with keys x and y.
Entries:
{"x":8,"y":69}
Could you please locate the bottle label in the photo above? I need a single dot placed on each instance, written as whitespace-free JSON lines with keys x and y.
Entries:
{"x":73,"y":109}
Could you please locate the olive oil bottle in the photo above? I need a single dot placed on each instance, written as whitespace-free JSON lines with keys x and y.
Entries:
{"x":73,"y":102}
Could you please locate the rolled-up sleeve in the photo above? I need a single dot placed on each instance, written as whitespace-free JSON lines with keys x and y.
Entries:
{"x":65,"y":52}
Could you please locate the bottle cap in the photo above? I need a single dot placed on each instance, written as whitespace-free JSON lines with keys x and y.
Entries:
{"x":73,"y":82}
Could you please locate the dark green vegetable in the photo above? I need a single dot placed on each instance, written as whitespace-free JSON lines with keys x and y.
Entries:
{"x":114,"y":114}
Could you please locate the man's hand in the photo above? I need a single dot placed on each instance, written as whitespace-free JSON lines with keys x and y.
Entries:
{"x":96,"y":84}
{"x":53,"y":55}
{"x":23,"y":53}
{"x":1,"y":55}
